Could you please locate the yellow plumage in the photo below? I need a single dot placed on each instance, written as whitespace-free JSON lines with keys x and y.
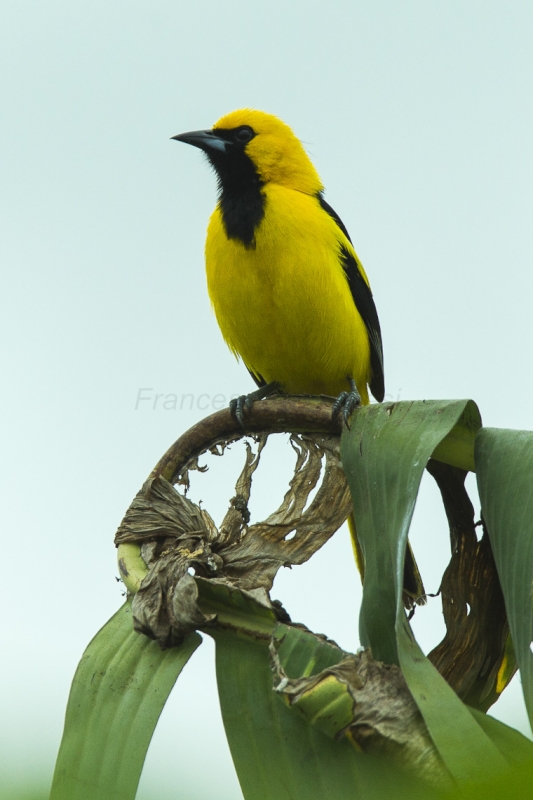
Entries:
{"x":285,"y":306}
{"x":289,"y":292}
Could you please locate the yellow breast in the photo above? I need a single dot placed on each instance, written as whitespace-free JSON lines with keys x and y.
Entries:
{"x":285,"y":306}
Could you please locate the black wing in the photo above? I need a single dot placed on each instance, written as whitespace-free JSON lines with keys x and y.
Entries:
{"x":260,"y":381}
{"x":362,"y":297}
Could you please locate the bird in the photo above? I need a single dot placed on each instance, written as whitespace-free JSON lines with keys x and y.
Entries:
{"x":289,"y":292}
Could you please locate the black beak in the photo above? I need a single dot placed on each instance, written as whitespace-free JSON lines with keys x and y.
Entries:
{"x":205,"y":140}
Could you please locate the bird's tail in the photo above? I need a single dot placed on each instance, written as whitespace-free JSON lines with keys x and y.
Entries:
{"x":413,"y":588}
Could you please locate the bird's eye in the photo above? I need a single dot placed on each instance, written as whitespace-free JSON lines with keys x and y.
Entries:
{"x":244,"y":134}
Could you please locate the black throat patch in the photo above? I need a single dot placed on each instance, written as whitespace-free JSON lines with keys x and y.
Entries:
{"x":241,"y":198}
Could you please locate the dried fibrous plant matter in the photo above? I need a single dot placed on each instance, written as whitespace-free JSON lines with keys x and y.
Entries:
{"x":369,"y":703}
{"x":178,"y":538}
{"x":476,"y":655}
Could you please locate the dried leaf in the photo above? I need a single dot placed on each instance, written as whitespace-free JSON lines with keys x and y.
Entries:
{"x":369,"y":703}
{"x":177,"y":536}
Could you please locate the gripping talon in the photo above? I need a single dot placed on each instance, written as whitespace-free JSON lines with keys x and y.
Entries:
{"x":338,"y":404}
{"x":238,"y":405}
{"x":348,"y":402}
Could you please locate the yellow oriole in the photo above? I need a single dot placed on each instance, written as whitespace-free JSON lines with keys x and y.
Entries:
{"x":289,"y":292}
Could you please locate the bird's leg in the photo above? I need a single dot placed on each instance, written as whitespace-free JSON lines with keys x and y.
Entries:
{"x":246,"y":401}
{"x":348,"y":402}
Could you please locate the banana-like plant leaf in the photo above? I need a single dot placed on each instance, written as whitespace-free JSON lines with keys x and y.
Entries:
{"x":118,"y":692}
{"x":277,"y":754}
{"x":504,"y":461}
{"x":513,"y":745}
{"x":384,"y":456}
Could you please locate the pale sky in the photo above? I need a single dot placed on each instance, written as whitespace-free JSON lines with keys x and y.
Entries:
{"x":418,"y":118}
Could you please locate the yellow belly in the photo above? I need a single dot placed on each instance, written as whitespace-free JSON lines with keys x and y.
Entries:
{"x":285,"y":306}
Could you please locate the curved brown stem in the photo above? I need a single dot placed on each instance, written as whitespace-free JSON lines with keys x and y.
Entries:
{"x":275,"y":415}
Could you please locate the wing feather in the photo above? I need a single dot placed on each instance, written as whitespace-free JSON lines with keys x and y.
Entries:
{"x":362,"y":297}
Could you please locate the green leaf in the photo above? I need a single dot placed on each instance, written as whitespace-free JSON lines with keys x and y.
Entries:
{"x":466,"y":749}
{"x":457,"y":447}
{"x":516,"y":747}
{"x":384,"y":456}
{"x":504,"y":460}
{"x":117,"y":695}
{"x":302,"y":654}
{"x":235,"y":609}
{"x":277,"y":754}
{"x":513,"y":784}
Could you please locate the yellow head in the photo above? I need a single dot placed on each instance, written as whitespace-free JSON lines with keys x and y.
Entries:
{"x":248,"y":147}
{"x":277,"y":154}
{"x":249,"y":150}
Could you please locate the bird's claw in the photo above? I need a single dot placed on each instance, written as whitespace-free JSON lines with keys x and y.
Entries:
{"x":347,"y":402}
{"x":237,"y":406}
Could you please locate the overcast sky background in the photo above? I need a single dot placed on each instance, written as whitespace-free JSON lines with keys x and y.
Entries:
{"x":418,"y":117}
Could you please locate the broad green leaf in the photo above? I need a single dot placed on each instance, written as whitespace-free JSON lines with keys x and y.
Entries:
{"x":457,"y":447}
{"x":514,"y":784}
{"x":277,"y":754}
{"x":118,"y":692}
{"x":300,"y":654}
{"x":504,"y":460}
{"x":513,"y":745}
{"x":466,"y":748}
{"x":241,"y":611}
{"x":384,"y":456}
